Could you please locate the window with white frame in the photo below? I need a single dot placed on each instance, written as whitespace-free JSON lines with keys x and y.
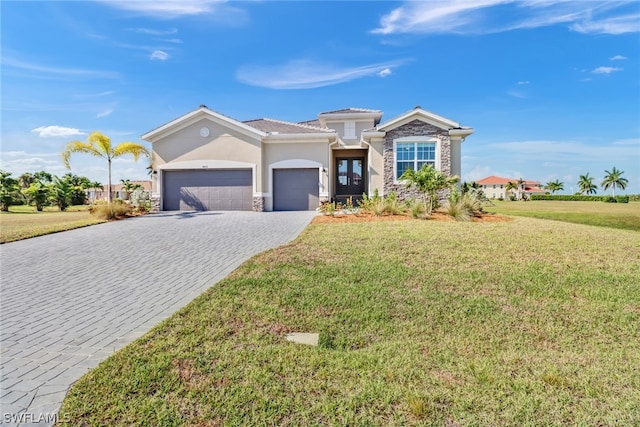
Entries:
{"x":350,"y":129}
{"x":414,"y":154}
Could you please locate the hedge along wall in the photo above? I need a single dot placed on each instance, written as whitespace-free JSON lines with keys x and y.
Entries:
{"x":579,"y":198}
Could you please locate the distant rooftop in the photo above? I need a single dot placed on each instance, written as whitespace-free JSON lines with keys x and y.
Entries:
{"x":352,"y":110}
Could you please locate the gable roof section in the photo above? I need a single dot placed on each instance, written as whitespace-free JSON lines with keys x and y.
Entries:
{"x":350,"y":110}
{"x":201,"y":112}
{"x":418,"y":113}
{"x":273,"y":126}
{"x":350,"y":114}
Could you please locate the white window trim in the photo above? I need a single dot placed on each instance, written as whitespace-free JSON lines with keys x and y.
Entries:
{"x":414,"y":139}
{"x":352,"y":129}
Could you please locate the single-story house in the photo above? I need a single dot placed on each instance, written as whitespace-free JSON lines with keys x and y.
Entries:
{"x":117,"y":191}
{"x":495,"y":187}
{"x":205,"y":160}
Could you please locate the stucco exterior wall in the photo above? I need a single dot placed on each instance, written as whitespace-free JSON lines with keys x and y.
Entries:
{"x":295,"y":155}
{"x":414,"y":128}
{"x":221,"y":144}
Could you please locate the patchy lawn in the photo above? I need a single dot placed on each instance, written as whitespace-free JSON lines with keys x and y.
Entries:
{"x":616,"y":215}
{"x":23,"y":222}
{"x":526,"y":322}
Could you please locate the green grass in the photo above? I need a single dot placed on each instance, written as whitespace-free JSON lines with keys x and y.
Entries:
{"x":23,"y":222}
{"x":523,"y":323}
{"x":616,"y":215}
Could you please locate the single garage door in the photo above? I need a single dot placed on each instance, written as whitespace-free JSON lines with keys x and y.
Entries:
{"x":208,"y":190}
{"x":295,"y":189}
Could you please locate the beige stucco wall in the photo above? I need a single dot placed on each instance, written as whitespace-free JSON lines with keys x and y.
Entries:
{"x":294,"y":155}
{"x":376,"y":167}
{"x":223,"y":143}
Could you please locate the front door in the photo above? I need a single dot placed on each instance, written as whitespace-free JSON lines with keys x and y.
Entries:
{"x":350,"y":178}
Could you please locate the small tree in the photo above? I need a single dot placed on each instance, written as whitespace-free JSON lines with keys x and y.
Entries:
{"x":37,"y":194}
{"x":60,"y":193}
{"x":428,"y":181}
{"x":614,"y":179}
{"x":586,"y":185}
{"x":129,"y":187}
{"x":554,"y":186}
{"x":9,"y":191}
{"x":99,"y":145}
{"x":511,"y":187}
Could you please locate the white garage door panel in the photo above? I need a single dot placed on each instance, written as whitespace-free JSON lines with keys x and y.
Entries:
{"x":206,"y":190}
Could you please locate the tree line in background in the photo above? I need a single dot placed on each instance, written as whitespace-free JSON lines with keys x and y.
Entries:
{"x":42,"y":189}
{"x":586,"y":186}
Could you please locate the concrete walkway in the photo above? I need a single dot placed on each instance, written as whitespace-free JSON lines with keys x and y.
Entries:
{"x":69,"y":300}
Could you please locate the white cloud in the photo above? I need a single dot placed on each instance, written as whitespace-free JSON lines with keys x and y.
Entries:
{"x":56,"y":131}
{"x":476,"y":17}
{"x":384,"y":73}
{"x":566,"y":150}
{"x":606,"y":70}
{"x":153,"y":32}
{"x":525,"y":82}
{"x":166,"y":8}
{"x":159,"y":55}
{"x":104,"y":113}
{"x":618,"y":58}
{"x":305,"y":74}
{"x":66,"y":72}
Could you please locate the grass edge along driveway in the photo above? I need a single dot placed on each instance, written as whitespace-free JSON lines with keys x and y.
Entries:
{"x":23,"y":222}
{"x":526,"y":322}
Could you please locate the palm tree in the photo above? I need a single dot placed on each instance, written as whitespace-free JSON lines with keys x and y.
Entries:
{"x":586,"y":185}
{"x":614,"y":179}
{"x":429,"y":181}
{"x":554,"y":186}
{"x":510,"y":187}
{"x":99,"y":145}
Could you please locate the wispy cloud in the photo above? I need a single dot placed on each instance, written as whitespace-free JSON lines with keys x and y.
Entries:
{"x":606,"y":70}
{"x":159,"y":55}
{"x":566,"y":150}
{"x":384,"y":73}
{"x":516,"y":94}
{"x":104,"y":113}
{"x":306,"y":74}
{"x":618,"y":58}
{"x":57,"y":71}
{"x":154,"y":32}
{"x":56,"y":131}
{"x":477,"y":17}
{"x":524,"y":82}
{"x":166,"y":8}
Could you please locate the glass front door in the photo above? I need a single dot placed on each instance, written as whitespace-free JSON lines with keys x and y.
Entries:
{"x":350,"y":179}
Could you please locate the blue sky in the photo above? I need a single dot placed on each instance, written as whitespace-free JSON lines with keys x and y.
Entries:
{"x":552,"y":88}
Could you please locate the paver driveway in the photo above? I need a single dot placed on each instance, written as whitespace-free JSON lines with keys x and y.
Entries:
{"x":69,"y":300}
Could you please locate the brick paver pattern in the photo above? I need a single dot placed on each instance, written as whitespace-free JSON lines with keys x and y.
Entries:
{"x":69,"y":300}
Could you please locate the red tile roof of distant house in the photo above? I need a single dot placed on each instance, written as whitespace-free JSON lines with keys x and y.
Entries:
{"x":491,"y":180}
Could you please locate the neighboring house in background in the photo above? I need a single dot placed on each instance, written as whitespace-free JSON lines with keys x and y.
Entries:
{"x":117,"y":191}
{"x":204,"y":160}
{"x":495,"y":187}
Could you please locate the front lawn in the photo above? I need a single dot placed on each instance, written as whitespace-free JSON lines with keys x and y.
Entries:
{"x":526,"y":322}
{"x":23,"y":222}
{"x":617,"y":215}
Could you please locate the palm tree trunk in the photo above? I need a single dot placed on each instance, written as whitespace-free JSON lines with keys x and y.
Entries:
{"x":109,"y":184}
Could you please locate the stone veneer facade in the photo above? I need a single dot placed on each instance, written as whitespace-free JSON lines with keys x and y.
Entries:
{"x":414,"y":128}
{"x":258,"y":203}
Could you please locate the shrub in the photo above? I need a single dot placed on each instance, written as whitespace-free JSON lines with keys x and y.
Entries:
{"x":117,"y":209}
{"x":140,"y":200}
{"x":416,"y":208}
{"x":366,"y":203}
{"x":580,"y":198}
{"x":392,"y":205}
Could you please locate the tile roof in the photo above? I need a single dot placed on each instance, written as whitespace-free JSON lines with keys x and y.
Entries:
{"x":351,"y":110}
{"x":280,"y":126}
{"x":314,"y":122}
{"x":500,"y":180}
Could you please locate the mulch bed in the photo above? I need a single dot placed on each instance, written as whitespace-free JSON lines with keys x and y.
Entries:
{"x":369,"y":217}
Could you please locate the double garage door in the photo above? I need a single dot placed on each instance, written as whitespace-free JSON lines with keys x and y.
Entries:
{"x":208,"y":190}
{"x":232,"y":189}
